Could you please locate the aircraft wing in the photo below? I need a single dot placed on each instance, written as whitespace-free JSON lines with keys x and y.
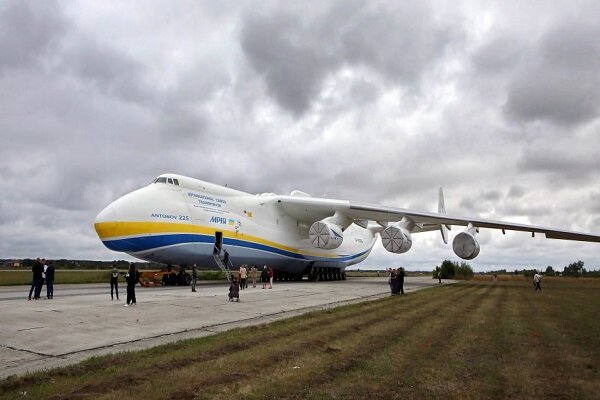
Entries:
{"x":311,"y":209}
{"x":394,"y":214}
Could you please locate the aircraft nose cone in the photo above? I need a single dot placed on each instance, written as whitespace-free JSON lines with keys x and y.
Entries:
{"x":106,"y":223}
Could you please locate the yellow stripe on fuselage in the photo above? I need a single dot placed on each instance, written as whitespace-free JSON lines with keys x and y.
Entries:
{"x":114,"y":230}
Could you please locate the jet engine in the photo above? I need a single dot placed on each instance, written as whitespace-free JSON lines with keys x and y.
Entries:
{"x":465,"y":245}
{"x":325,"y":235}
{"x":396,"y":239}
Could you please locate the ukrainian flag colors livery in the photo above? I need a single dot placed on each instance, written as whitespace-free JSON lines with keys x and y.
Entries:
{"x":183,"y":221}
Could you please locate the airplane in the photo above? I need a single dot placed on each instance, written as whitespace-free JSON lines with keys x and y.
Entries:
{"x":183,"y":221}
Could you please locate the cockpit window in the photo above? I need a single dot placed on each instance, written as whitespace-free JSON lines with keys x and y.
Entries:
{"x":163,"y":179}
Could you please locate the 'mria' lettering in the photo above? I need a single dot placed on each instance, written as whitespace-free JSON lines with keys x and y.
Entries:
{"x":218,"y":220}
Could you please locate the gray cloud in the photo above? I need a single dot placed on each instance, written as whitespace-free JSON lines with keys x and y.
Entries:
{"x":376,"y":102}
{"x":558,"y":77}
{"x":292,"y":68}
{"x":498,"y":55}
{"x":111,"y":71}
{"x":516,"y":191}
{"x":29,"y":32}
{"x":296,"y":53}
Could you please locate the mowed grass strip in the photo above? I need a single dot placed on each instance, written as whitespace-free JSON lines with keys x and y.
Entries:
{"x":470,"y":340}
{"x":251,"y":354}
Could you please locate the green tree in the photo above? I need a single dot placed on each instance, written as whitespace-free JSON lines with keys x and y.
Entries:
{"x":448,"y":269}
{"x":463,"y":270}
{"x":574,"y":269}
{"x":550,"y":270}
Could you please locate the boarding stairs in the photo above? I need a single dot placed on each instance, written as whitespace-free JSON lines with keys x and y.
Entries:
{"x":227,"y":268}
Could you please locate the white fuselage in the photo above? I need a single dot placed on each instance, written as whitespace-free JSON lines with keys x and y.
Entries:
{"x":180,"y":220}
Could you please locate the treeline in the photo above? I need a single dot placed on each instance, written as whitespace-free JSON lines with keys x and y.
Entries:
{"x":575,"y":269}
{"x":453,"y":270}
{"x":27,"y":263}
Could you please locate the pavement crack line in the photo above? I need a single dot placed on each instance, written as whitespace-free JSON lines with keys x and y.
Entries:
{"x":27,"y":351}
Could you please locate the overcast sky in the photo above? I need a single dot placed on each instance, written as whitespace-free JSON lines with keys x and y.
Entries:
{"x":372,"y":101}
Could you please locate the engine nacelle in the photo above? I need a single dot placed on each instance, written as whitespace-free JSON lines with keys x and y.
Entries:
{"x":325,"y":235}
{"x":396,"y":239}
{"x":465,"y":245}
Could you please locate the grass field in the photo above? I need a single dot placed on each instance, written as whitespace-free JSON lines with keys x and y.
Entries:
{"x":23,"y":277}
{"x":471,"y":340}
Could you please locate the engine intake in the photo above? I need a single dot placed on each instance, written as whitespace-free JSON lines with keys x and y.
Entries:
{"x":465,"y":245}
{"x":396,"y":239}
{"x":325,"y":235}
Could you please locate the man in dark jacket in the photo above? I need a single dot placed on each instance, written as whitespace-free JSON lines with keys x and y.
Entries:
{"x":33,"y":280}
{"x":50,"y":281}
{"x":264,"y":277}
{"x":400,"y":277}
{"x":132,"y":278}
{"x":226,"y":259}
{"x":38,"y":271}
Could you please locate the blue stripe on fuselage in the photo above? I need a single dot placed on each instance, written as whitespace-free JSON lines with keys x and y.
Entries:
{"x":145,"y":243}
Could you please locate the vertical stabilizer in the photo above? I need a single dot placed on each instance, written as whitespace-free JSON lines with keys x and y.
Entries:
{"x":442,"y":210}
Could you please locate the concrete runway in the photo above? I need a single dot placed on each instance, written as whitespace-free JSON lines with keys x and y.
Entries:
{"x":82,"y":321}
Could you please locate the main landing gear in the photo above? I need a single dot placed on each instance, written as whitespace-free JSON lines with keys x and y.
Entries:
{"x":327,"y":274}
{"x":315,"y":275}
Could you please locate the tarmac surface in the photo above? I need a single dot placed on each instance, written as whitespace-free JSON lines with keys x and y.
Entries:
{"x":81,"y":321}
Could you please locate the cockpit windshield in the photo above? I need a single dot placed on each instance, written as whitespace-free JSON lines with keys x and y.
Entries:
{"x":169,"y":181}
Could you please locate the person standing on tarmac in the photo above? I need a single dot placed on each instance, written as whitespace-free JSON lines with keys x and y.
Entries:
{"x":50,"y":281}
{"x":132,"y":278}
{"x":38,"y":277}
{"x":270,"y":272}
{"x":401,"y":275}
{"x":194,"y":277}
{"x":33,"y":277}
{"x":243,"y":277}
{"x":253,"y":273}
{"x":114,"y":282}
{"x":264,"y":277}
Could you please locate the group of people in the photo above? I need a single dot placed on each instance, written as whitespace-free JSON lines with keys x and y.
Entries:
{"x":240,"y":281}
{"x":132,"y":277}
{"x":396,"y":280}
{"x":42,"y":273}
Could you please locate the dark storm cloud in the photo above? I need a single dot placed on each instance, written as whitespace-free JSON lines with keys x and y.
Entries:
{"x":559,"y":77}
{"x":498,"y":55}
{"x":109,"y":69}
{"x":293,"y":69}
{"x":516,"y":191}
{"x":561,"y":162}
{"x":29,"y":32}
{"x":296,"y":52}
{"x":380,"y":102}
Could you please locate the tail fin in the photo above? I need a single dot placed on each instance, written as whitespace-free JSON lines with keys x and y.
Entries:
{"x":442,"y":210}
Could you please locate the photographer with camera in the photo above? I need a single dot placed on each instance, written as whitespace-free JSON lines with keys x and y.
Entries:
{"x":132,"y":277}
{"x":114,"y":282}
